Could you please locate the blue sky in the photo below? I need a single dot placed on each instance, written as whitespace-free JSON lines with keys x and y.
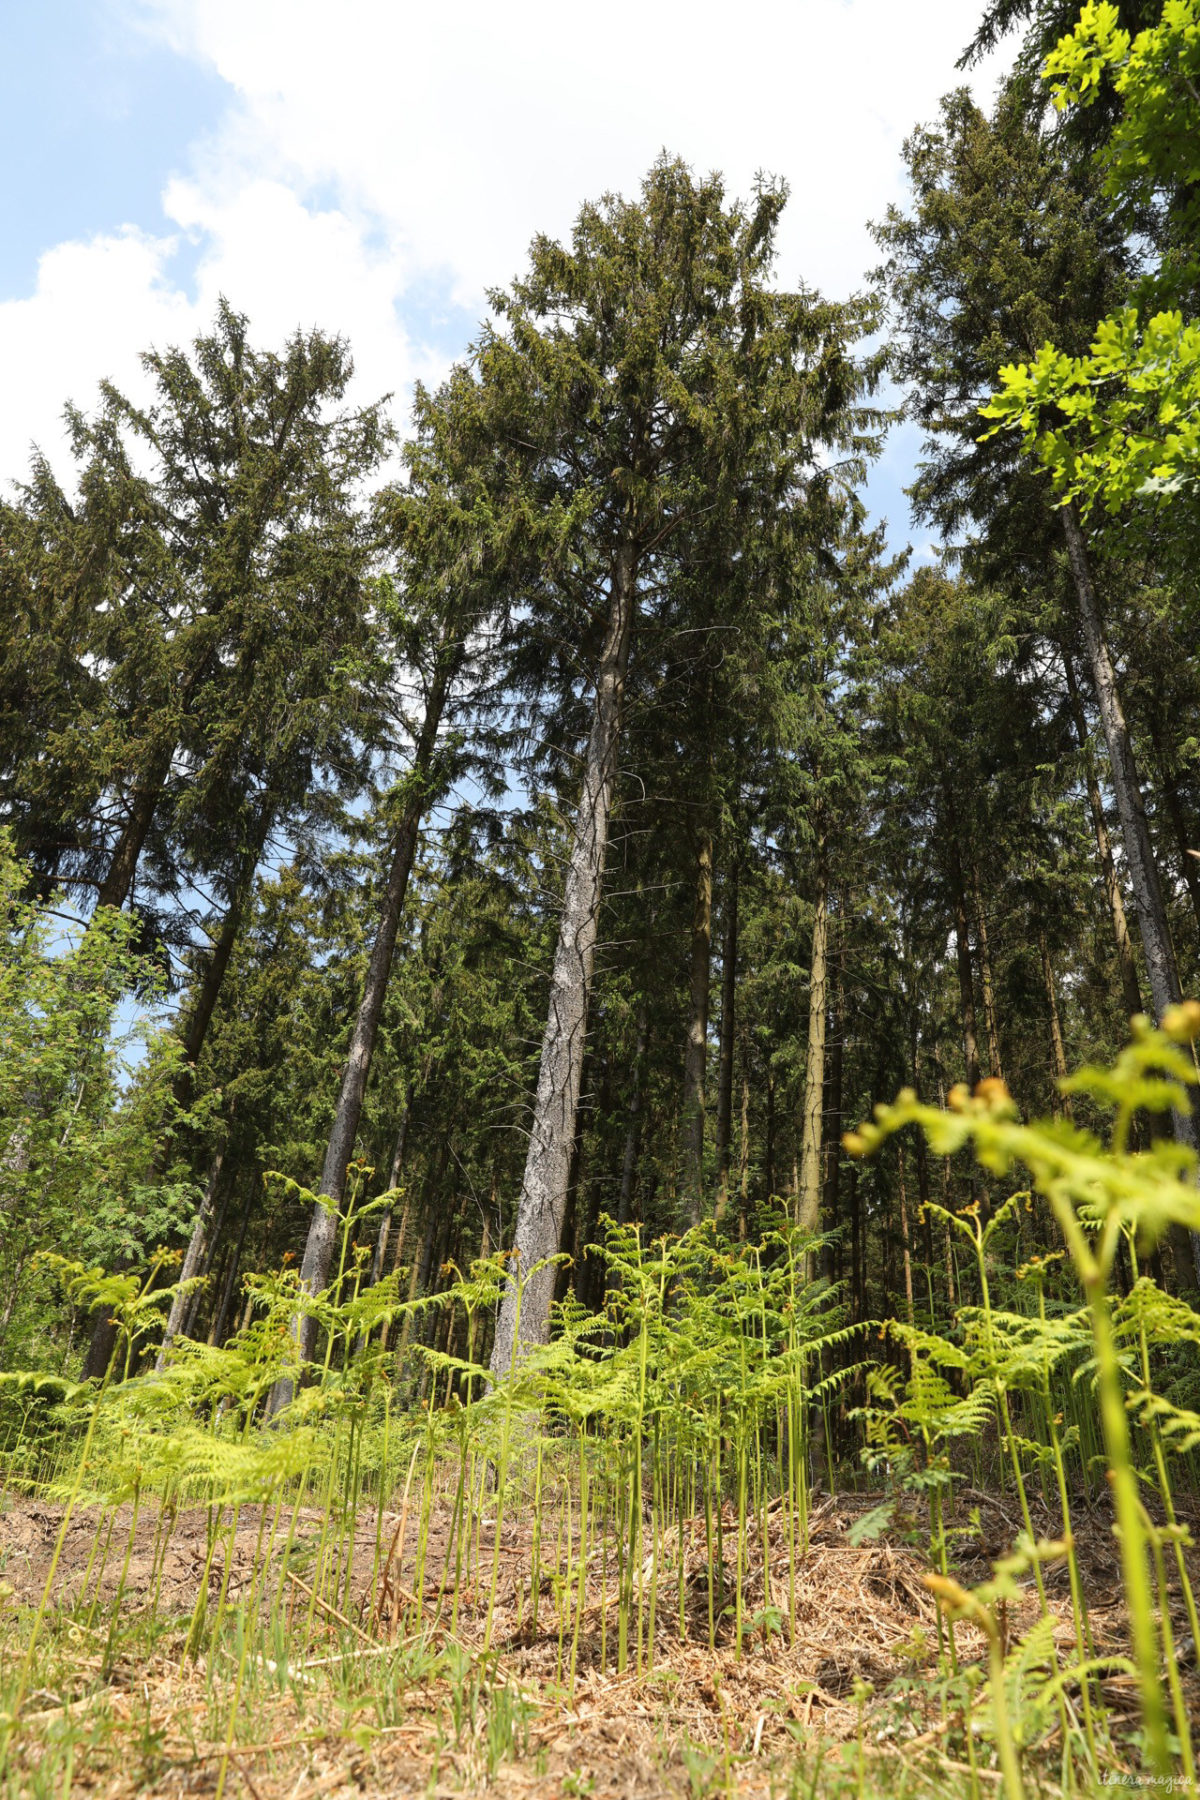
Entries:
{"x":108,"y":111}
{"x":372,"y":168}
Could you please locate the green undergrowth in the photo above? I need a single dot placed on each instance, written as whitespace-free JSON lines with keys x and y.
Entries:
{"x":411,"y":1547}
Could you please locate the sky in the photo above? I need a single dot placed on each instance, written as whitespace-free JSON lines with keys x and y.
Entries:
{"x":373,"y":167}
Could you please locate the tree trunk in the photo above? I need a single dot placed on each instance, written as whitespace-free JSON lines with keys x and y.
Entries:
{"x":1135,"y":831}
{"x":962,"y":943}
{"x":633,"y":1127}
{"x":729,"y":945}
{"x":322,"y":1231}
{"x":393,"y":1181}
{"x":995,"y":1066}
{"x":194,"y":1255}
{"x":926,"y":1217}
{"x":906,"y":1246}
{"x":769,"y":1137}
{"x":808,"y":1198}
{"x":1168,"y":781}
{"x":568,"y":1241}
{"x":833,"y":1136}
{"x":434,"y":1211}
{"x":695,"y":1062}
{"x":114,"y":889}
{"x":385,"y":1329}
{"x":543,"y":1195}
{"x":1131,"y":990}
{"x":744,"y":1161}
{"x":858,"y":1286}
{"x":200,"y":1013}
{"x":216,"y":1333}
{"x":1062,"y":1102}
{"x":187,"y":1325}
{"x":951,"y":1297}
{"x":1186,"y":852}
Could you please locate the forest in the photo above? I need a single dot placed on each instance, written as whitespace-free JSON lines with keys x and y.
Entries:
{"x":599,"y":1117}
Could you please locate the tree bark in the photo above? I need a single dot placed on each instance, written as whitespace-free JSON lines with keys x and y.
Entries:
{"x":322,"y":1231}
{"x":962,"y":941}
{"x":194,"y":1255}
{"x":1127,"y":790}
{"x":833,"y":1136}
{"x":858,"y":1285}
{"x":729,"y":951}
{"x":207,"y":994}
{"x":1168,"y":781}
{"x":695,"y":1062}
{"x":744,"y":1161}
{"x":906,"y":1247}
{"x":633,"y":1126}
{"x":393,"y":1181}
{"x":1135,"y":830}
{"x":543,"y":1197}
{"x":1131,"y":990}
{"x":1062,"y":1102}
{"x":769,"y":1137}
{"x":114,"y":889}
{"x":987,"y":981}
{"x":808,"y":1198}
{"x":1186,"y":852}
{"x":385,"y":1330}
{"x":217,"y":1329}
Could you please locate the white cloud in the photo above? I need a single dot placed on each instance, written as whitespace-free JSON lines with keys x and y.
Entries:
{"x":468,"y":127}
{"x":376,"y":153}
{"x":96,"y":305}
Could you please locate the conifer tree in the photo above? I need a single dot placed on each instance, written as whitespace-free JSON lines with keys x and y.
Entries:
{"x":651,"y":366}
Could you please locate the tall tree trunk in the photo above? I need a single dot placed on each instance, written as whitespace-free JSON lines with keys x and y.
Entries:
{"x":1131,"y":991}
{"x":695,"y":1061}
{"x":906,"y":1247}
{"x":1135,"y":831}
{"x":808,"y":1199}
{"x":744,"y":1161}
{"x":1168,"y":782}
{"x":951,"y":1297}
{"x":382,"y":1236}
{"x":217,"y":1329}
{"x":406,"y":1210}
{"x":543,"y":1197}
{"x":858,"y":1286}
{"x":833,"y":1135}
{"x":1186,"y":851}
{"x":729,"y":947}
{"x":569,"y":1240}
{"x":393,"y":1181}
{"x":323,"y":1228}
{"x":925,"y":1216}
{"x":769,"y":1183}
{"x":633,"y":1125}
{"x":962,"y":940}
{"x":435,"y":1211}
{"x":197,"y":1244}
{"x":1062,"y":1102}
{"x":191,"y":1313}
{"x":987,"y":980}
{"x":199,"y":1015}
{"x":114,"y":889}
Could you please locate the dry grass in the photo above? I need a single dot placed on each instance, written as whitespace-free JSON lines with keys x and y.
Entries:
{"x":374,"y":1702}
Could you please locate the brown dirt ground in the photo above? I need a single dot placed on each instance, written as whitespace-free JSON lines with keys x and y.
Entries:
{"x":857,"y":1609}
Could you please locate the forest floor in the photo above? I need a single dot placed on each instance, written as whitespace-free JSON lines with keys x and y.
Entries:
{"x":353,"y":1700}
